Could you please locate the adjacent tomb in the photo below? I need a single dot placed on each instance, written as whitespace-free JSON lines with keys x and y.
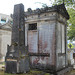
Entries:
{"x":45,"y":37}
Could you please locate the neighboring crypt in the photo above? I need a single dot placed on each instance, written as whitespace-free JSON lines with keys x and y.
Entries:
{"x":5,"y":34}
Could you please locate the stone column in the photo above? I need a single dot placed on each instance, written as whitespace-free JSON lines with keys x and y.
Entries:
{"x":17,"y":60}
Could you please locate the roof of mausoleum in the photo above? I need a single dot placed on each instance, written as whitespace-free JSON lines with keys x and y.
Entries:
{"x":57,"y":8}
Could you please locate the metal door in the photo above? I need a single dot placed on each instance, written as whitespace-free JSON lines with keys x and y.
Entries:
{"x":33,"y":41}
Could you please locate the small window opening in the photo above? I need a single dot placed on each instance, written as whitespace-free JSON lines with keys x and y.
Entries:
{"x":3,"y":21}
{"x":33,"y":26}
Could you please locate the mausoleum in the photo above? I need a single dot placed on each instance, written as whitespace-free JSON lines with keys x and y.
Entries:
{"x":38,"y":39}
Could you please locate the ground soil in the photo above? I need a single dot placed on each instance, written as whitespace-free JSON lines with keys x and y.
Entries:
{"x":70,"y":73}
{"x":37,"y":73}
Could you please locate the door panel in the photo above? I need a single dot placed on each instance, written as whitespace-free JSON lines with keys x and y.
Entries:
{"x":33,"y":41}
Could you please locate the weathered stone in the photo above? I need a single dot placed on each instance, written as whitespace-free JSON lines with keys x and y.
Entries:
{"x":57,"y":8}
{"x":47,"y":39}
{"x":45,"y":36}
{"x":29,"y":10}
{"x":16,"y":58}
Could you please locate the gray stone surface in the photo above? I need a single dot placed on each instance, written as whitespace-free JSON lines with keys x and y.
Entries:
{"x":16,"y":58}
{"x":45,"y":51}
{"x":49,"y":38}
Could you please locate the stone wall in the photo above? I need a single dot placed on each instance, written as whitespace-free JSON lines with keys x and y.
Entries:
{"x":5,"y":39}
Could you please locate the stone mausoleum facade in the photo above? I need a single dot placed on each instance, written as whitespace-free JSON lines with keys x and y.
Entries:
{"x":45,"y":40}
{"x":5,"y":34}
{"x":45,"y":36}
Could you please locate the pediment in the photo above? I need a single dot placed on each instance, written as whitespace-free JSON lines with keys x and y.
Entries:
{"x":6,"y":26}
{"x":62,"y":10}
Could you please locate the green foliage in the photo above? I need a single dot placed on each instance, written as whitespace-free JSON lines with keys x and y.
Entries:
{"x":70,"y":4}
{"x":71,"y":24}
{"x":47,"y":74}
{"x":67,"y":2}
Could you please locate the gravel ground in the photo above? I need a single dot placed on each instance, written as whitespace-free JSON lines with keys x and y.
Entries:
{"x":71,"y":73}
{"x":37,"y":73}
{"x":32,"y":72}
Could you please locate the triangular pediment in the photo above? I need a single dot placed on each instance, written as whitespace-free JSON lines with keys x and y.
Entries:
{"x":62,"y":10}
{"x":6,"y":26}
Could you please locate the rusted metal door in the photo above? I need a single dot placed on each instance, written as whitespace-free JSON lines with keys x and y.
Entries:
{"x":37,"y":58}
{"x":33,"y":41}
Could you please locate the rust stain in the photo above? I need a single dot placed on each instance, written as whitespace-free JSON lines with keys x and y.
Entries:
{"x":35,"y":61}
{"x":45,"y":45}
{"x":42,"y":58}
{"x":30,"y":47}
{"x":40,"y":44}
{"x":47,"y":60}
{"x":42,"y":47}
{"x":30,"y":44}
{"x":53,"y":49}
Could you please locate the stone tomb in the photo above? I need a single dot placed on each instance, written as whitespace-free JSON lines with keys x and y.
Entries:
{"x":45,"y":36}
{"x":41,"y":43}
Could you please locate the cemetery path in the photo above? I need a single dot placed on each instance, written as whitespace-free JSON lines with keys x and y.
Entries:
{"x":70,"y":73}
{"x":37,"y":73}
{"x":33,"y":72}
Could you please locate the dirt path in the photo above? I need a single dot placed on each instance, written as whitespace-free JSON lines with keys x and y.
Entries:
{"x":71,"y":73}
{"x":37,"y":73}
